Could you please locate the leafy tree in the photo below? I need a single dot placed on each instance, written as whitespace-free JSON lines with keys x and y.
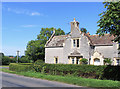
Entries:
{"x":83,"y":61}
{"x":83,"y":30}
{"x":107,"y":61}
{"x":35,"y":48}
{"x":110,"y":20}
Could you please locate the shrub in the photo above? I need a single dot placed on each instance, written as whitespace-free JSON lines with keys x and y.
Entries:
{"x":6,"y":60}
{"x":83,"y":61}
{"x":39,"y":66}
{"x":107,"y":61}
{"x":23,"y":60}
{"x":20,"y":67}
{"x":88,"y":71}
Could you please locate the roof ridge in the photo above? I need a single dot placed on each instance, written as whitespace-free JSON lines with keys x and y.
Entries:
{"x":61,"y":35}
{"x":98,"y":35}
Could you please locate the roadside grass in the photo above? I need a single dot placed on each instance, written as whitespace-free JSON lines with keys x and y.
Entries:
{"x":95,"y":83}
{"x":4,"y":65}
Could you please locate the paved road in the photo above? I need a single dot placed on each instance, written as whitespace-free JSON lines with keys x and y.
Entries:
{"x":13,"y":80}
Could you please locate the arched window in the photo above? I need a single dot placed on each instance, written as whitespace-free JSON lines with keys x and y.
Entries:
{"x":96,"y":61}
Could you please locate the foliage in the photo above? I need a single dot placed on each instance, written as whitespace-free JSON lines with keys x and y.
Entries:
{"x":6,"y":60}
{"x":20,"y":67}
{"x":88,"y":71}
{"x":99,"y":84}
{"x":35,"y":48}
{"x":107,"y":61}
{"x":39,"y":62}
{"x":38,"y":65}
{"x":23,"y":60}
{"x":83,"y":30}
{"x":83,"y":61}
{"x":110,"y":20}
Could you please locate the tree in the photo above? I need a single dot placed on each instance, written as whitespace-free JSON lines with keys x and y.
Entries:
{"x":107,"y":61}
{"x":83,"y":30}
{"x":35,"y":48}
{"x":110,"y":20}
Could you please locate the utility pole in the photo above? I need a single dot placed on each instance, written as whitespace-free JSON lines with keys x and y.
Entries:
{"x":18,"y":56}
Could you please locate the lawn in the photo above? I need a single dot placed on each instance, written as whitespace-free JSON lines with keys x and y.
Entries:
{"x":71,"y":79}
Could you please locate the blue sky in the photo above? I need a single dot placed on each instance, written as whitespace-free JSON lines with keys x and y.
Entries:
{"x":22,"y":21}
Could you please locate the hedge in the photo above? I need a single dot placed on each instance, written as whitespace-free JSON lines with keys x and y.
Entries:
{"x":19,"y":67}
{"x":86,"y":71}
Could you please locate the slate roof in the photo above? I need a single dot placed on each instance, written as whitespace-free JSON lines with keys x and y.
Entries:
{"x":57,"y":41}
{"x":102,"y":40}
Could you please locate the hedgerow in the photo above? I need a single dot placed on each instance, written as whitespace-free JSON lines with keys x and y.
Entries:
{"x":86,"y":71}
{"x":20,"y":67}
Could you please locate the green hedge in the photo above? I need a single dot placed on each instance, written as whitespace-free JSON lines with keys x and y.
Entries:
{"x":86,"y":71}
{"x":20,"y":67}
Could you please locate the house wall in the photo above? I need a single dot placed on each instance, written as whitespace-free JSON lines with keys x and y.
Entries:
{"x":108,"y":51}
{"x":84,"y":49}
{"x":51,"y":53}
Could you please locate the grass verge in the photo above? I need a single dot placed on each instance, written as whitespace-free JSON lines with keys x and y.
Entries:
{"x":70,"y":79}
{"x":4,"y":65}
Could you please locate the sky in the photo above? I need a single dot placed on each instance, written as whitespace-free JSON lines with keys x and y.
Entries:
{"x":22,"y":21}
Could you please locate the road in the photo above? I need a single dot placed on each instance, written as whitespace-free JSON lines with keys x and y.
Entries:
{"x":13,"y":80}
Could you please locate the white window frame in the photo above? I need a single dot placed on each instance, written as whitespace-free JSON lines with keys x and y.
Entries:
{"x":75,"y":46}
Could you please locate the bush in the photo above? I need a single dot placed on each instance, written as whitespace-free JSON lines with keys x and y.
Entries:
{"x":39,"y":66}
{"x":20,"y":67}
{"x":23,"y":60}
{"x":88,"y":71}
{"x":6,"y":60}
{"x":83,"y":61}
{"x":107,"y":61}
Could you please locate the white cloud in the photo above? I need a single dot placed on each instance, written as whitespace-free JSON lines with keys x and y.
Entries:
{"x":28,"y":25}
{"x":24,"y":11}
{"x":35,"y":13}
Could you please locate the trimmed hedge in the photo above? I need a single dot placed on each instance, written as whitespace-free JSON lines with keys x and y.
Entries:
{"x":20,"y":67}
{"x":86,"y":71}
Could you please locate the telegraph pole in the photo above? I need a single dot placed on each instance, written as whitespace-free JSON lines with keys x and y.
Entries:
{"x":17,"y":55}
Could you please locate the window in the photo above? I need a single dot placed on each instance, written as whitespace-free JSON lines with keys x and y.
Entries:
{"x":118,"y":61}
{"x":73,"y":43}
{"x":77,"y":61}
{"x":76,"y":43}
{"x":56,"y":60}
{"x":73,"y":61}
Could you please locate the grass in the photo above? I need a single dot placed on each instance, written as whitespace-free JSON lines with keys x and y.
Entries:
{"x":70,"y":79}
{"x":4,"y":65}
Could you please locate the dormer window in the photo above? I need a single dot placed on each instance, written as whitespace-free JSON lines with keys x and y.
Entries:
{"x":76,"y":43}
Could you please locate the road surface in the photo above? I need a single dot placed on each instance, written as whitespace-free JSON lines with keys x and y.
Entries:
{"x":13,"y":80}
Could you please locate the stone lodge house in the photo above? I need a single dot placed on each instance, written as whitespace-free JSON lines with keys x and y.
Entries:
{"x":69,"y":49}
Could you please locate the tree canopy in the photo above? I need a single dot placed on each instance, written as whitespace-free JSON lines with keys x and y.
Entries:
{"x":35,"y":48}
{"x":110,"y":20}
{"x":83,"y":30}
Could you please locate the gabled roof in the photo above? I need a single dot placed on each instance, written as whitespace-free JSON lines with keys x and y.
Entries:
{"x":57,"y":41}
{"x":102,"y":40}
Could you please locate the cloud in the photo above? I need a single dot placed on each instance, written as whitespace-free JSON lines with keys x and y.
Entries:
{"x":35,"y":13}
{"x":28,"y":25}
{"x":24,"y":11}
